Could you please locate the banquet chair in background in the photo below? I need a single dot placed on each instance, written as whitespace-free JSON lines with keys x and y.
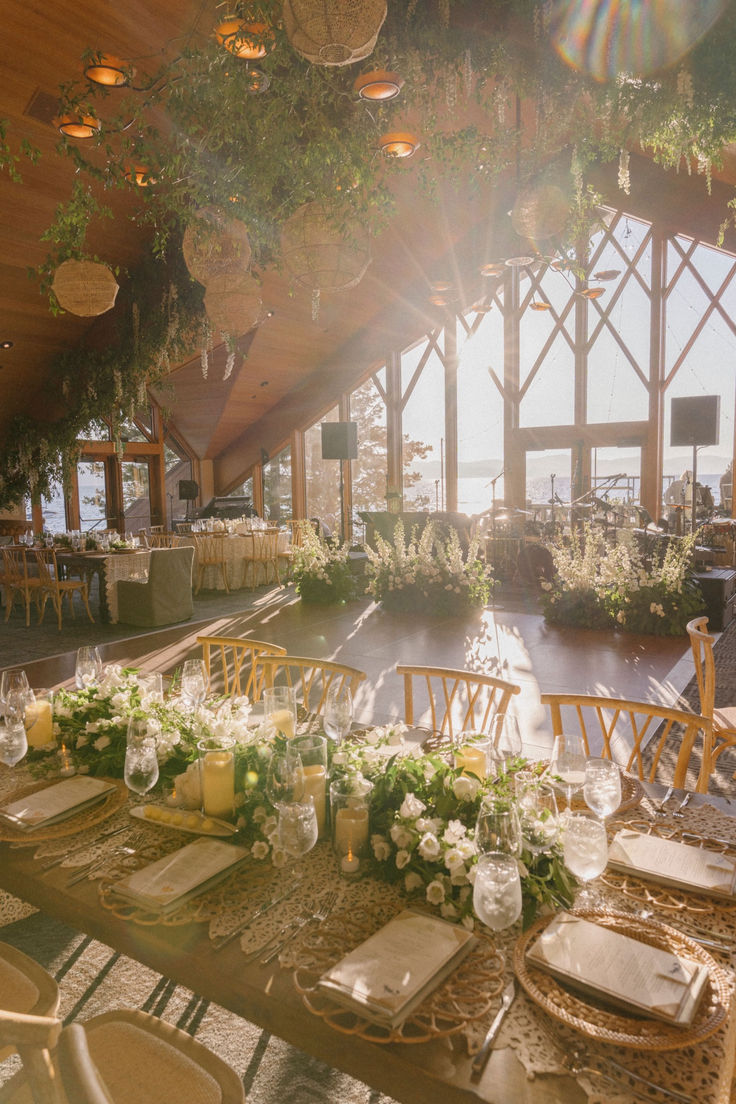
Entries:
{"x":25,"y":987}
{"x":230,"y":662}
{"x":265,"y":562}
{"x":209,"y":552}
{"x":653,"y":741}
{"x":313,"y":676}
{"x":165,"y":597}
{"x":162,"y":540}
{"x":16,"y":579}
{"x":120,"y":1057}
{"x":457,"y":700}
{"x":57,"y":589}
{"x":723,"y":717}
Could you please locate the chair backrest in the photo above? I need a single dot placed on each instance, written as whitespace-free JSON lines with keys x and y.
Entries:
{"x":313,"y":676}
{"x":15,"y":566}
{"x":34,"y":1037}
{"x":162,"y":540}
{"x":25,"y":986}
{"x":640,"y":736}
{"x":456,"y":700}
{"x":210,"y":548}
{"x":701,"y":643}
{"x":48,"y":570}
{"x":230,"y":661}
{"x":171,"y":568}
{"x":80,"y":1076}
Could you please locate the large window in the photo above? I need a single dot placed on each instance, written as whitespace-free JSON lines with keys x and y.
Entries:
{"x":423,"y":387}
{"x":277,"y":488}
{"x":480,"y":415}
{"x":92,"y":494}
{"x":322,"y":477}
{"x":369,"y":471}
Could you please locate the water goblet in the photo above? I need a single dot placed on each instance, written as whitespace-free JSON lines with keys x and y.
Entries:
{"x":297,"y":830}
{"x":141,"y":760}
{"x":567,"y":765}
{"x":88,"y":667}
{"x":12,"y":679}
{"x":279,"y":707}
{"x":285,"y":778}
{"x":602,"y":787}
{"x":505,"y":740}
{"x":585,"y":853}
{"x":540,"y":825}
{"x":338,"y":715}
{"x":13,"y":741}
{"x":497,"y":827}
{"x":497,"y":890}
{"x":193,"y":683}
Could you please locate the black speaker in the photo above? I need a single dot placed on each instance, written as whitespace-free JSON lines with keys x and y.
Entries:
{"x":188,"y":490}
{"x":339,"y":440}
{"x":696,"y":420}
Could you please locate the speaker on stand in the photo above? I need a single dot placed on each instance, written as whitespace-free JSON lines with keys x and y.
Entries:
{"x":695,"y":421}
{"x":188,"y":491}
{"x":340,"y":442}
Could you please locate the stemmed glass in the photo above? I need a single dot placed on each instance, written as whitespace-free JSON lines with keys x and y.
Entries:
{"x":338,"y":715}
{"x":88,"y":669}
{"x":505,"y":740}
{"x":497,"y":890}
{"x":297,"y":828}
{"x":193,"y":683}
{"x":497,"y":827}
{"x":13,"y":679}
{"x":540,"y":825}
{"x":585,"y":853}
{"x":141,"y":760}
{"x":602,"y":787}
{"x":285,"y":778}
{"x":567,"y":765}
{"x":13,"y":740}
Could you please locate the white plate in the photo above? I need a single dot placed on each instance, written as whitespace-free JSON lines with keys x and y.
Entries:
{"x":182,"y":820}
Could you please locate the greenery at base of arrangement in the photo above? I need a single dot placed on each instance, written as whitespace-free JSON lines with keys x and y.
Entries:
{"x":321,"y":568}
{"x":599,"y":585}
{"x":430,"y":574}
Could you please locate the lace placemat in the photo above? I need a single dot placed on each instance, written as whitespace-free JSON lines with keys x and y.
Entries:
{"x":78,"y":822}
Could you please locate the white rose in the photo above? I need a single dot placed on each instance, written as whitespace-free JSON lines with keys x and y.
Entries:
{"x":454,"y":831}
{"x":465,"y":788}
{"x":403,"y":859}
{"x":411,"y":807}
{"x":401,"y":835}
{"x":453,"y":858}
{"x":429,"y":847}
{"x":381,"y":848}
{"x":412,"y":881}
{"x":435,"y":893}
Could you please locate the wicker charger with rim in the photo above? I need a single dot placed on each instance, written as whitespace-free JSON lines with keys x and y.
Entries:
{"x":77,"y":823}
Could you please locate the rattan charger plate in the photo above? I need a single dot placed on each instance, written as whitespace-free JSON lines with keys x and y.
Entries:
{"x":79,"y":822}
{"x":467,"y":995}
{"x":598,"y":1021}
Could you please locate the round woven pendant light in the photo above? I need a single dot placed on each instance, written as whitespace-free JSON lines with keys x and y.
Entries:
{"x":540,"y":212}
{"x":322,"y":255}
{"x":85,"y":288}
{"x":333,"y":32}
{"x":216,"y":245}
{"x":233,"y":306}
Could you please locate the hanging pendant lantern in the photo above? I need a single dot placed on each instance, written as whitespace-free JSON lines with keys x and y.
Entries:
{"x":321,"y":254}
{"x":333,"y":32}
{"x":246,"y":36}
{"x":215,"y":245}
{"x":540,"y":212}
{"x":78,"y":125}
{"x":233,"y":306}
{"x":84,"y":288}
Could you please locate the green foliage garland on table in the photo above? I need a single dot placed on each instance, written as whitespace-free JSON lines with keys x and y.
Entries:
{"x":599,"y":585}
{"x":423,"y":808}
{"x":321,"y":568}
{"x":429,"y":574}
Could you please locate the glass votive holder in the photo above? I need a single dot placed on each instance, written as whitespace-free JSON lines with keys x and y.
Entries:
{"x":473,"y":753}
{"x":350,"y":798}
{"x":279,"y":707}
{"x":151,"y":685}
{"x":67,"y":766}
{"x":313,"y":752}
{"x":39,"y":718}
{"x":217,"y":775}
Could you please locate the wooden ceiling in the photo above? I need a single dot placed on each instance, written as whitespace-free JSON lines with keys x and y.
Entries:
{"x":295,"y":364}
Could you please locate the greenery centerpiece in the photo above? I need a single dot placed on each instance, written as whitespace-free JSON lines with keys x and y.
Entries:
{"x":321,"y":568}
{"x":601,"y":585}
{"x":429,"y":574}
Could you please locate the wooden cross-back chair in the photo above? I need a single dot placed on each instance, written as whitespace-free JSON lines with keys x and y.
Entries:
{"x":163,"y":540}
{"x":56,"y":588}
{"x":623,"y":729}
{"x":313,"y":676}
{"x":231,"y":660}
{"x":210,"y":552}
{"x":16,"y":579}
{"x":723,"y":717}
{"x":457,"y":700}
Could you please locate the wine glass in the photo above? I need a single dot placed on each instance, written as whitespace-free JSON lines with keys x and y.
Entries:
{"x":567,"y":765}
{"x":497,"y":827}
{"x":297,"y":830}
{"x":88,"y":667}
{"x":193,"y":683}
{"x":538,"y":816}
{"x":285,"y":778}
{"x":141,"y":761}
{"x":13,"y":741}
{"x":14,"y":678}
{"x":585,"y":853}
{"x":505,"y":740}
{"x":602,"y":787}
{"x":497,"y":890}
{"x":338,"y":715}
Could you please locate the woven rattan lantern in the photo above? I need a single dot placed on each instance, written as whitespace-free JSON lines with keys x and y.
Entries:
{"x":85,"y":288}
{"x":233,"y":306}
{"x":216,"y":245}
{"x":540,"y":212}
{"x":322,"y":254}
{"x":333,"y":32}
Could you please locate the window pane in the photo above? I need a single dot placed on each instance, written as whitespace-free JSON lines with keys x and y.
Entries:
{"x":369,"y":471}
{"x":322,"y":477}
{"x":136,"y":500}
{"x":277,"y":487}
{"x":480,"y":416}
{"x":423,"y":430}
{"x":92,"y":500}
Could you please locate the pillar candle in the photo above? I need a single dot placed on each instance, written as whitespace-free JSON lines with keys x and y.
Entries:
{"x":351,"y":831}
{"x":473,"y":759}
{"x":39,"y":724}
{"x":315,"y":786}
{"x":218,"y":783}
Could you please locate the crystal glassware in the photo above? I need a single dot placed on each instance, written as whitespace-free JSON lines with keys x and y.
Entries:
{"x":285,"y":778}
{"x":602,"y":787}
{"x":505,"y":740}
{"x":193,"y":683}
{"x":338,"y":713}
{"x":88,"y":670}
{"x":141,"y":759}
{"x":279,"y":707}
{"x":567,"y":765}
{"x":497,"y":827}
{"x":13,"y":742}
{"x":12,"y":680}
{"x":538,"y":817}
{"x":497,"y":890}
{"x":297,"y":830}
{"x":585,"y":853}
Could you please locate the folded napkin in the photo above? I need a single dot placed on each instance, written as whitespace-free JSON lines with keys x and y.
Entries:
{"x":671,"y":863}
{"x":55,"y":803}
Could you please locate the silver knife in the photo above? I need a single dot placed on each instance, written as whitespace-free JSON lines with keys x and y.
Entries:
{"x":218,"y":944}
{"x":478,"y":1064}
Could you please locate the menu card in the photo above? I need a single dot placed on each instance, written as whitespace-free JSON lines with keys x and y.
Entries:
{"x":392,"y":971}
{"x":623,"y":971}
{"x":166,"y":884}
{"x":55,"y":803}
{"x":671,"y":863}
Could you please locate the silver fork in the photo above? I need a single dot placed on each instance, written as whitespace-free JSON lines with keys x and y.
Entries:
{"x":683,"y":805}
{"x":660,"y":810}
{"x":95,"y":864}
{"x":576,"y":1063}
{"x":316,"y":917}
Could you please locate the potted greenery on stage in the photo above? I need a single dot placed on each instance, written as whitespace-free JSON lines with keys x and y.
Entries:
{"x":321,"y":568}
